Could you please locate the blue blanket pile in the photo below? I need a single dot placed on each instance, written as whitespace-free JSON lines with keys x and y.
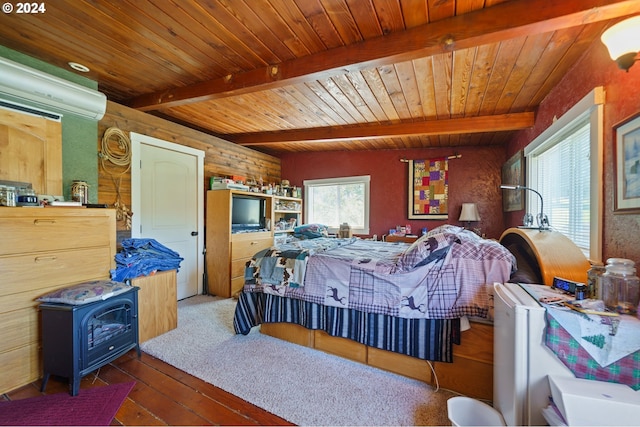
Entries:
{"x":141,"y":257}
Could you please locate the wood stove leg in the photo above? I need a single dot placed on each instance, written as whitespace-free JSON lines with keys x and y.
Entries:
{"x":45,"y":378}
{"x":75,"y":385}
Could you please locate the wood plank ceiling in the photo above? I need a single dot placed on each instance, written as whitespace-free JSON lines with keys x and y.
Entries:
{"x":304,"y":75}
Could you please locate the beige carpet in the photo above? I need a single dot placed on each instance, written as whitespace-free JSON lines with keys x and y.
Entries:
{"x":301,"y":385}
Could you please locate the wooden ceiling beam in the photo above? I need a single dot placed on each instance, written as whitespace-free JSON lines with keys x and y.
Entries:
{"x":490,"y":25}
{"x":497,"y":123}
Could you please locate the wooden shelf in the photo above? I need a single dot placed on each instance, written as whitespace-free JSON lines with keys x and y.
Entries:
{"x":286,"y":214}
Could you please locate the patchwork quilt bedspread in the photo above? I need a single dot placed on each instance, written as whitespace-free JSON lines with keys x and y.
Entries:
{"x":443,"y":275}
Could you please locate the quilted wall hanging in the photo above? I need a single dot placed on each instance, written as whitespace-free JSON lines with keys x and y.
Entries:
{"x":429,"y":189}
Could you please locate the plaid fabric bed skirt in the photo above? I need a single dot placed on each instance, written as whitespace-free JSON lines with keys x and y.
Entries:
{"x":428,"y":339}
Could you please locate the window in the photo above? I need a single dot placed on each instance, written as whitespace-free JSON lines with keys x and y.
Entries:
{"x":334,"y":201}
{"x":564,"y":164}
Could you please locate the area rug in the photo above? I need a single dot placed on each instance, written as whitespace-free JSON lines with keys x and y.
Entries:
{"x":301,"y":385}
{"x":95,"y":406}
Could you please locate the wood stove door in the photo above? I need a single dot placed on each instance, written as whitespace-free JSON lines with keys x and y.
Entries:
{"x":107,"y":329}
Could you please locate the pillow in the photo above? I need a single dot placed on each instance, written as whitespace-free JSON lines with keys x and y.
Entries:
{"x":445,"y":229}
{"x":423,"y":251}
{"x":455,"y":233}
{"x":311,"y":231}
{"x":84,"y":293}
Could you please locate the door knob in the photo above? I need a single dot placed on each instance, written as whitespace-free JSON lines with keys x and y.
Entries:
{"x":194,"y":233}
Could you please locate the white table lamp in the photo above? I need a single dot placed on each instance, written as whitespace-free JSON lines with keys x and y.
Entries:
{"x":469,"y":213}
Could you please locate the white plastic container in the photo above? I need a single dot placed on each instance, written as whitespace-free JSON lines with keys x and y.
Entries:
{"x":465,"y":411}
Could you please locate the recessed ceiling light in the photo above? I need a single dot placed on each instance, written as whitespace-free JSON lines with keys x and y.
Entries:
{"x":79,"y":67}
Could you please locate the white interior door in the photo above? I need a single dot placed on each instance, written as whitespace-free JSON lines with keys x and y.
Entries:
{"x":167,"y":201}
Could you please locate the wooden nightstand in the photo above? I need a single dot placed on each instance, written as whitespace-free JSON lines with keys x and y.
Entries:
{"x":395,"y":238}
{"x":157,"y":304}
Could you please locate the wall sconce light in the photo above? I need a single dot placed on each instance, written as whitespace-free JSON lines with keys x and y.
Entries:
{"x":541,"y":218}
{"x":469,"y":213}
{"x":623,"y":42}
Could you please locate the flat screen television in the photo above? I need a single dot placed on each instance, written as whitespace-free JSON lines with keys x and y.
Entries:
{"x":247,"y":213}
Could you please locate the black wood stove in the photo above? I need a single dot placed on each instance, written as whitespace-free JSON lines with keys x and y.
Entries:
{"x":78,"y":339}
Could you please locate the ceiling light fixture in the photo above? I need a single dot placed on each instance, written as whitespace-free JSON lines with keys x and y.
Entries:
{"x":623,"y":42}
{"x":79,"y":67}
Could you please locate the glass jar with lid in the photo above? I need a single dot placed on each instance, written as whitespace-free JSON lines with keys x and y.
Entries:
{"x":621,"y":286}
{"x":80,"y":191}
{"x":7,"y":196}
{"x":26,"y":197}
{"x":594,"y":281}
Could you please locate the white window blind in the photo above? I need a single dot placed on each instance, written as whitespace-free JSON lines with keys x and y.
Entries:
{"x":563,"y":179}
{"x":564,"y":164}
{"x":334,"y":201}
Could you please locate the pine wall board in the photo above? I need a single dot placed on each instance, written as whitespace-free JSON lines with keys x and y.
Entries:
{"x":221,"y":157}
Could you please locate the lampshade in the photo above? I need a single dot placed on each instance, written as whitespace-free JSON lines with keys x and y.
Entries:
{"x":469,"y":213}
{"x":623,"y":41}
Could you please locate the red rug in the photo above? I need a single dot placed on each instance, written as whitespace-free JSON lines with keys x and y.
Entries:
{"x":91,"y":407}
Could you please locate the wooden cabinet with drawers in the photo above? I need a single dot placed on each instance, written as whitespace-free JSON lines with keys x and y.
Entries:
{"x":243,"y":247}
{"x":43,"y":249}
{"x":228,"y":252}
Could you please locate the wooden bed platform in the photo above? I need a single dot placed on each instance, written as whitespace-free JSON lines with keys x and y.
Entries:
{"x":471,"y":373}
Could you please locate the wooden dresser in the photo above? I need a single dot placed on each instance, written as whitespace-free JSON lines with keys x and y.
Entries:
{"x":42,"y":249}
{"x":227,"y":252}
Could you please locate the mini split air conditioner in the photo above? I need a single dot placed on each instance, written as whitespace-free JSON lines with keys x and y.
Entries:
{"x":46,"y":90}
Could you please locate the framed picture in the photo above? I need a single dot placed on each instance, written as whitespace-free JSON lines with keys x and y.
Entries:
{"x":627,"y":166}
{"x":513,"y":174}
{"x":428,"y":189}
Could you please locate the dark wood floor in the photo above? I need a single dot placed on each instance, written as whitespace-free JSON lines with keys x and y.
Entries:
{"x":163,"y":395}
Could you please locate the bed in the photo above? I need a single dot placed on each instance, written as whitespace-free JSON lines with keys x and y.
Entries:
{"x":461,"y":360}
{"x":391,"y":305}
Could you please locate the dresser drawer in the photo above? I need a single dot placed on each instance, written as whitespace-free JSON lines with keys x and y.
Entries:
{"x":23,"y":273}
{"x":247,"y":248}
{"x":238,"y":266}
{"x":237,"y":284}
{"x":21,"y":328}
{"x":42,"y":232}
{"x":28,"y":300}
{"x":20,"y":366}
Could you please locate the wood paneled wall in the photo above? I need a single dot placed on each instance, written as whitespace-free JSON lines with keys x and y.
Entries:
{"x":221,"y":157}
